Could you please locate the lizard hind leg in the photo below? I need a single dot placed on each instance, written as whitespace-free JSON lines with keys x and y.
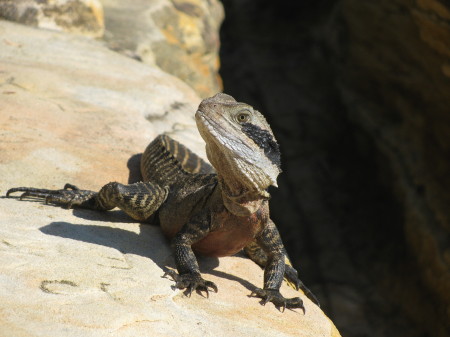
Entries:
{"x":259,"y":256}
{"x":138,"y":200}
{"x":69,"y":196}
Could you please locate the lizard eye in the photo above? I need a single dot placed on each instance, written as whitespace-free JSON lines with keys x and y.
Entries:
{"x":243,"y":117}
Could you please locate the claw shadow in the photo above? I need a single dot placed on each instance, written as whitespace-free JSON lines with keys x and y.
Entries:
{"x":246,"y":284}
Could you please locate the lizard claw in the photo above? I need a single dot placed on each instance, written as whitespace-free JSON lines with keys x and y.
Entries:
{"x":71,"y":187}
{"x":191,"y":282}
{"x":274,"y":296}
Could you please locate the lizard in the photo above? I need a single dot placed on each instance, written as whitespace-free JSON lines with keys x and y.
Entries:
{"x":215,"y":210}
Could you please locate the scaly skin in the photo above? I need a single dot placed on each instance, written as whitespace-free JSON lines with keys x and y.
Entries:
{"x":213,"y":212}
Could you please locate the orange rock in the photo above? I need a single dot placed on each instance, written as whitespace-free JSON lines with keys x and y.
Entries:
{"x":84,"y":17}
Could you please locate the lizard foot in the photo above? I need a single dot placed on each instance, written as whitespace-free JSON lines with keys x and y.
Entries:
{"x":191,"y":282}
{"x":69,"y":196}
{"x":274,"y":296}
{"x":291,"y":277}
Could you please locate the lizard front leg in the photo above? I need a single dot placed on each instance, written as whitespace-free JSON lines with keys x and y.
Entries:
{"x":270,"y":241}
{"x":189,"y":276}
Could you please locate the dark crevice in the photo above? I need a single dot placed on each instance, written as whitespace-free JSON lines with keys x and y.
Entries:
{"x":336,"y":207}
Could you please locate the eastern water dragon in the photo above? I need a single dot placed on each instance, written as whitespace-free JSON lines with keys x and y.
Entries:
{"x":211,"y":211}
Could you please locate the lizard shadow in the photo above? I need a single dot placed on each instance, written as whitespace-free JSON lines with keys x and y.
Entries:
{"x":149,"y":242}
{"x":134,"y":168}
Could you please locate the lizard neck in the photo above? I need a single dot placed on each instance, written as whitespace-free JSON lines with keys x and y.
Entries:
{"x":240,"y":201}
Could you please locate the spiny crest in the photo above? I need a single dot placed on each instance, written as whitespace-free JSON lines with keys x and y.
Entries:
{"x":220,"y":98}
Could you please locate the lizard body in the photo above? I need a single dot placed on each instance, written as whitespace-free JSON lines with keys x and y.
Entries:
{"x":215,"y":211}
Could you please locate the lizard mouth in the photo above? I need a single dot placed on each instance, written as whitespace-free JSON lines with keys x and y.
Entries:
{"x":208,"y":123}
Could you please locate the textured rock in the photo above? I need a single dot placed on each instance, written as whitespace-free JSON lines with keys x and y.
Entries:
{"x":180,"y":36}
{"x":75,"y":16}
{"x":74,"y":111}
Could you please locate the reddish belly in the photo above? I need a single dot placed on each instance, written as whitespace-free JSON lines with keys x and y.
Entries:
{"x":233,"y":234}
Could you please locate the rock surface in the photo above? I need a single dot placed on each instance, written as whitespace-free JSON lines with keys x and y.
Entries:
{"x":74,"y":111}
{"x":83,"y":17}
{"x":180,"y":36}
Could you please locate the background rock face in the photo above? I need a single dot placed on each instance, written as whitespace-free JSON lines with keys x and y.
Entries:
{"x":357,"y":93}
{"x":179,"y":36}
{"x":74,"y":16}
{"x":74,"y":111}
{"x":407,"y":114}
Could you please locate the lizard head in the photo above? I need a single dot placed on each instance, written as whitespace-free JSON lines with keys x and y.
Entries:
{"x":239,"y":144}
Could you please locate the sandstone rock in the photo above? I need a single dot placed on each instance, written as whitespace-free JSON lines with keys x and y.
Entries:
{"x":74,"y":111}
{"x":83,"y":17}
{"x":180,"y":36}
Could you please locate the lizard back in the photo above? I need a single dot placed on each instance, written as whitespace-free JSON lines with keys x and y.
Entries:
{"x":166,"y":161}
